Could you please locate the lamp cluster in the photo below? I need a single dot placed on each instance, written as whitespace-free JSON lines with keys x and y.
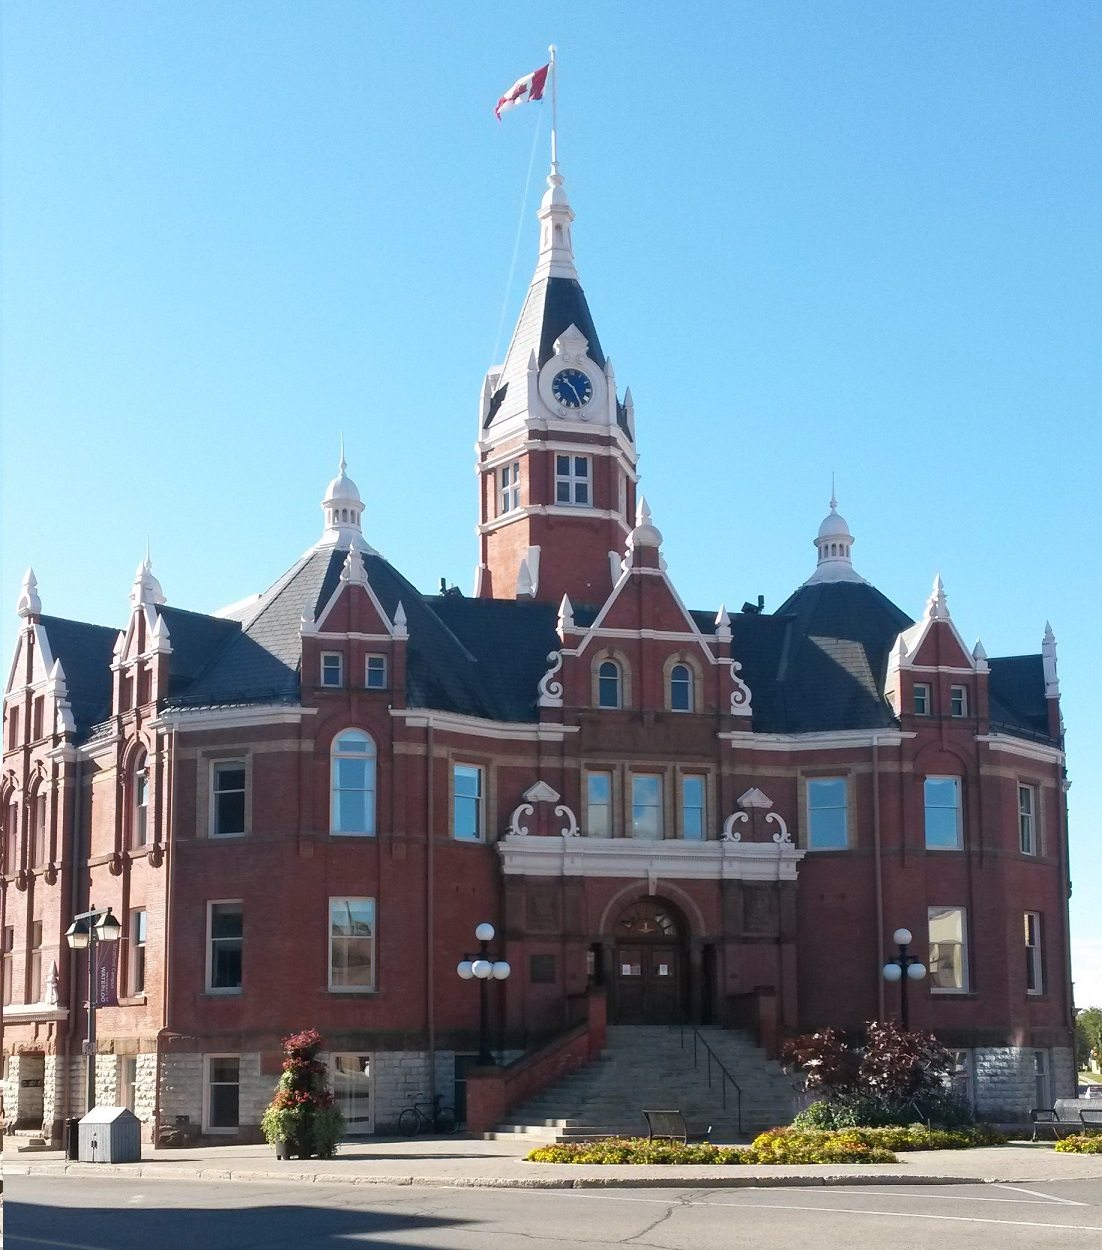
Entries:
{"x":481,"y":968}
{"x":903,"y":968}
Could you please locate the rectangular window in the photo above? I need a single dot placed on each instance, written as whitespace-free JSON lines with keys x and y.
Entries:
{"x":960,"y":1079}
{"x":136,"y":977}
{"x":943,"y":824}
{"x":225,"y":943}
{"x":827,"y":814}
{"x":508,"y":499}
{"x":692,"y":808}
{"x":572,"y":477}
{"x":13,"y":724}
{"x":1042,"y":1094}
{"x":1027,"y":819}
{"x":598,"y":805}
{"x":9,"y":947}
{"x":1034,"y":971}
{"x":921,"y":699}
{"x":11,"y":839}
{"x":351,"y":944}
{"x":467,"y":802}
{"x":39,"y":709}
{"x":375,"y":678}
{"x":35,"y":989}
{"x":223,"y":1093}
{"x":958,"y":701}
{"x":646,"y":806}
{"x":38,"y":843}
{"x":332,"y":669}
{"x":948,"y":950}
{"x":127,"y":1080}
{"x":141,"y":807}
{"x":228,"y":799}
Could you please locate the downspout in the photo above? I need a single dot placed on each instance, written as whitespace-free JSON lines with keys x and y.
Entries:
{"x":879,"y":873}
{"x":430,"y":914}
{"x":1065,"y":887}
{"x":74,"y":908}
{"x":166,"y":957}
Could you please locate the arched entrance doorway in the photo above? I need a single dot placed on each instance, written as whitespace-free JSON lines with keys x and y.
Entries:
{"x":649,"y":974}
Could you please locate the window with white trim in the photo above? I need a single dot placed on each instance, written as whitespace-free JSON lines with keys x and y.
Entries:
{"x":127,"y":1080}
{"x":467,"y":802}
{"x":352,"y":784}
{"x":693,"y":819}
{"x":646,"y":806}
{"x":351,"y":944}
{"x":681,"y":688}
{"x":598,"y":805}
{"x":941,"y":798}
{"x":958,"y":701}
{"x":610,"y":685}
{"x":6,"y":964}
{"x":227,"y":807}
{"x":221,"y":1093}
{"x":1034,"y":963}
{"x":961,"y":1079}
{"x":139,"y":827}
{"x":38,"y":839}
{"x":508,"y":493}
{"x":332,"y":669}
{"x":135,"y":979}
{"x":375,"y":672}
{"x":1027,"y":819}
{"x":827,"y":814}
{"x":572,"y":480}
{"x":36,"y":991}
{"x":948,"y":962}
{"x":921,"y":699}
{"x":225,"y":946}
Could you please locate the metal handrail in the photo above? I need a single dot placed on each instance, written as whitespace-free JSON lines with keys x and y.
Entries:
{"x":725,"y":1075}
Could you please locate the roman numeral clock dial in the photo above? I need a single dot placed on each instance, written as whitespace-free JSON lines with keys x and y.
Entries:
{"x":571,"y":388}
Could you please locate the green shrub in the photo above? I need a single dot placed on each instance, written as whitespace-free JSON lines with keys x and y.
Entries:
{"x":785,"y":1145}
{"x":635,"y":1150}
{"x":1081,"y":1144}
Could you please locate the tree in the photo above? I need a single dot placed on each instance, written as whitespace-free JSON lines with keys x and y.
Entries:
{"x":1088,"y":1036}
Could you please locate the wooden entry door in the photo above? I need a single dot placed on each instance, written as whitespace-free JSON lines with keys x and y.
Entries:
{"x":649,"y":970}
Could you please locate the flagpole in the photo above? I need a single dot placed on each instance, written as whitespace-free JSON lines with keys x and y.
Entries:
{"x":554,"y":113}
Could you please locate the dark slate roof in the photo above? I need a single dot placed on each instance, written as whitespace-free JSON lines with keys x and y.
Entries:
{"x":1017,"y":689}
{"x":85,"y":652}
{"x":826,"y":670}
{"x":196,"y":639}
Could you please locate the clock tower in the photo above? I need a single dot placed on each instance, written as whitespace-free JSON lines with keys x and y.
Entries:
{"x":556,"y":446}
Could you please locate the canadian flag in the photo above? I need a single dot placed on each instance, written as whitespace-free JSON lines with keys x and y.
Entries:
{"x":530,"y":87}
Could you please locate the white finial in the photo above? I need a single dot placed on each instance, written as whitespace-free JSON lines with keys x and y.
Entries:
{"x":723,"y":624}
{"x":401,"y":629}
{"x":834,"y":543}
{"x":524,"y":580}
{"x":344,"y":463}
{"x":937,"y":609}
{"x":49,"y":990}
{"x":353,"y":570}
{"x":833,"y":498}
{"x":1048,"y":660}
{"x":307,"y":624}
{"x":28,"y":604}
{"x":645,"y":533}
{"x":342,"y":509}
{"x":566,"y":617}
{"x":980,"y":657}
{"x":159,"y":637}
{"x":146,"y":589}
{"x":556,"y":258}
{"x":55,"y":679}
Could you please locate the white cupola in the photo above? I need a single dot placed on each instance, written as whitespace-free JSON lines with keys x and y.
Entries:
{"x":342,"y":509}
{"x":556,"y":258}
{"x":834,"y":543}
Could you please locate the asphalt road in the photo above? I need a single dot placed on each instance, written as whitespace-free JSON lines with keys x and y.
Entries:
{"x":70,"y":1213}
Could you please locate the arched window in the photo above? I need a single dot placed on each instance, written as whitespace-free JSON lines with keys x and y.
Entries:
{"x":352,"y":792}
{"x":11,"y":836}
{"x":609,"y":686}
{"x":139,"y":828}
{"x":681,"y":688}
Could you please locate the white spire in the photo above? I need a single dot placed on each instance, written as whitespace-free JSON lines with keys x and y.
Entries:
{"x":723,"y":624}
{"x":342,"y":509}
{"x":354,"y":570}
{"x":834,"y":542}
{"x":937,"y":607}
{"x":146,"y":589}
{"x":566,"y":617}
{"x":1048,"y":660}
{"x":28,"y":604}
{"x":645,"y":533}
{"x":401,"y":626}
{"x":556,"y":258}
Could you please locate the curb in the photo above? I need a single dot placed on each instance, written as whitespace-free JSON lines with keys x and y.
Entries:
{"x":724,"y":1180}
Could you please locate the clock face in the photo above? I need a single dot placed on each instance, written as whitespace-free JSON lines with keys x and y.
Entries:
{"x":571,"y":388}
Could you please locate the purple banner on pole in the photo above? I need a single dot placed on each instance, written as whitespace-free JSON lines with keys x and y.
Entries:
{"x":106,"y":972}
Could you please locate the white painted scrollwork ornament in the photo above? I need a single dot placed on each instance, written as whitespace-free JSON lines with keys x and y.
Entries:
{"x":571,"y":830}
{"x":740,"y":696}
{"x":782,"y":835}
{"x":515,"y":827}
{"x":550,"y":690}
{"x":730,"y":833}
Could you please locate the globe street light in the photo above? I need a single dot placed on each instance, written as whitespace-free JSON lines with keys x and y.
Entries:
{"x":903,"y":968}
{"x":484,"y":968}
{"x":89,"y":928}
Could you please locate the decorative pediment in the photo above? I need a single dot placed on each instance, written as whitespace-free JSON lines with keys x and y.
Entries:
{"x":541,"y":792}
{"x":755,"y":798}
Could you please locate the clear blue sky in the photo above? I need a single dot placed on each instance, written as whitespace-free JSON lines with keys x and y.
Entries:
{"x":860,"y":237}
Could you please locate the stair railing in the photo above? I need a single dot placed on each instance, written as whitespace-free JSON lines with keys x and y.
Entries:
{"x":724,"y":1076}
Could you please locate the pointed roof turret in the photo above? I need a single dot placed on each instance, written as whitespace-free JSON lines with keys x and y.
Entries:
{"x":29,"y":604}
{"x":343,"y":508}
{"x":146,"y":589}
{"x":834,"y":543}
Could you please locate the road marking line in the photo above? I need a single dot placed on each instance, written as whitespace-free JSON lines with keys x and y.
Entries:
{"x":59,"y":1245}
{"x":1070,"y":1202}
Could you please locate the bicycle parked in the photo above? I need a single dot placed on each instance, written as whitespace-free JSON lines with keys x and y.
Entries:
{"x":420,"y":1118}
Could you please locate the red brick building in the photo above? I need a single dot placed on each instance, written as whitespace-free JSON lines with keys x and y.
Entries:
{"x":300,"y":807}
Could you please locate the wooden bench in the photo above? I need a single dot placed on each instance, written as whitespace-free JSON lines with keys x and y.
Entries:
{"x":670,"y":1125}
{"x":1068,"y":1115}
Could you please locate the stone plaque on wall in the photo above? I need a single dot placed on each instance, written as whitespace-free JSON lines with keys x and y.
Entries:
{"x":543,"y":911}
{"x":760,"y":918}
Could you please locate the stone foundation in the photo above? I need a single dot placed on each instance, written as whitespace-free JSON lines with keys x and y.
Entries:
{"x":1006,"y":1081}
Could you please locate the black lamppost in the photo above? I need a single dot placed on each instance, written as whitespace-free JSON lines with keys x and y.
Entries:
{"x":484,"y":967}
{"x":88,"y":928}
{"x":903,"y":968}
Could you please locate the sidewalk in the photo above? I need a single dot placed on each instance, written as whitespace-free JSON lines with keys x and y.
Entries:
{"x":460,"y":1161}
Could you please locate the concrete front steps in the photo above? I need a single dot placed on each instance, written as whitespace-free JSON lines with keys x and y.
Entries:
{"x":652,"y":1066}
